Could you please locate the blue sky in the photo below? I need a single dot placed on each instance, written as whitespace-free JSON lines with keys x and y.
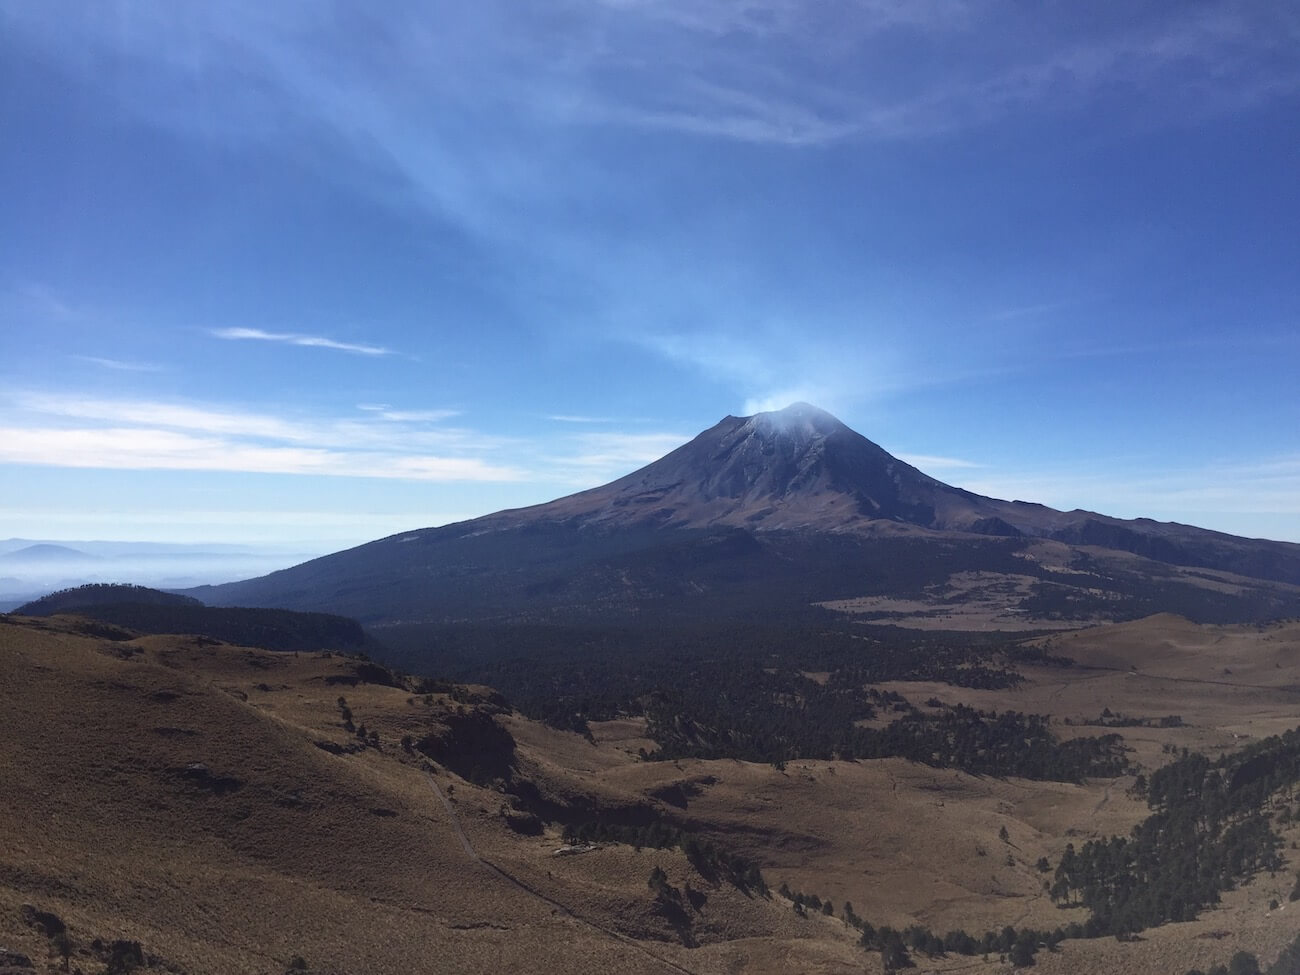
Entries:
{"x":306,"y":273}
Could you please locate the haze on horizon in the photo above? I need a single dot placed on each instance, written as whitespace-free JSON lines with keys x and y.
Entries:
{"x":301,"y":275}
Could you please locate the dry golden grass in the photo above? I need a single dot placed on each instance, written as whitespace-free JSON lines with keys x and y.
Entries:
{"x":351,"y":861}
{"x":100,"y":829}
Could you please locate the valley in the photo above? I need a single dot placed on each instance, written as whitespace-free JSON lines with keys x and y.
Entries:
{"x":209,"y":802}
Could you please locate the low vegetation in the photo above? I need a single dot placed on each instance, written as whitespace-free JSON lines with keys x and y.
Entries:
{"x":710,"y":860}
{"x":1246,"y":963}
{"x":896,"y":947}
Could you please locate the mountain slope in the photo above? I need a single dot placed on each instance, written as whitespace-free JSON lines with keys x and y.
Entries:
{"x":209,"y":809}
{"x":766,"y":515}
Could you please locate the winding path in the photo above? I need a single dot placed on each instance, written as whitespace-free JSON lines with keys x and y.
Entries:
{"x":1105,"y":797}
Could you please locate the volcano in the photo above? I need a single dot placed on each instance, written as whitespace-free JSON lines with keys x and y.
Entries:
{"x":784,"y":513}
{"x":796,"y":469}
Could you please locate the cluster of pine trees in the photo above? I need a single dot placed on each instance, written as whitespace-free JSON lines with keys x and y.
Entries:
{"x":1209,"y":831}
{"x":768,"y":723}
{"x":989,"y":743}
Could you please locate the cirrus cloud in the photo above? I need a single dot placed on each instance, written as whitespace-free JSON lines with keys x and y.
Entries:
{"x":69,"y":430}
{"x":296,"y":338}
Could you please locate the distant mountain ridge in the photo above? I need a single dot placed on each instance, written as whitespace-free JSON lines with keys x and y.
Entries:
{"x":771,"y":513}
{"x":45,"y":553}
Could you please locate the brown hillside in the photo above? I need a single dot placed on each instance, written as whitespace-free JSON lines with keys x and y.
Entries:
{"x":206,"y":801}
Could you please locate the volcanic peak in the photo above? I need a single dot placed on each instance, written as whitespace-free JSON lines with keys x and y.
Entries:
{"x":800,"y":421}
{"x":799,"y":467}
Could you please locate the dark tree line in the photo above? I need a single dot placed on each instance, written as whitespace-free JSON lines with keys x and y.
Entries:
{"x":989,"y":743}
{"x":749,"y":693}
{"x":764,"y":723}
{"x":568,"y":675}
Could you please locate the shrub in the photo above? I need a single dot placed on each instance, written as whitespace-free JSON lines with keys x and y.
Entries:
{"x":1022,"y":954}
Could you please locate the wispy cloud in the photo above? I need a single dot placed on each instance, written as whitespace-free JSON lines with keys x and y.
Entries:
{"x":296,"y":338}
{"x":800,"y":74}
{"x":42,"y":303}
{"x":773,"y":365}
{"x":138,"y":448}
{"x":386,"y":412}
{"x":492,"y":117}
{"x":450,"y":101}
{"x":68,"y":430}
{"x":168,"y":415}
{"x":72,"y":430}
{"x":120,"y":365}
{"x":570,"y":418}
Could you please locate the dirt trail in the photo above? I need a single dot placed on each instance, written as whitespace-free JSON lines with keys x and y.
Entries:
{"x":1105,"y":797}
{"x":455,"y":822}
{"x":533,"y":891}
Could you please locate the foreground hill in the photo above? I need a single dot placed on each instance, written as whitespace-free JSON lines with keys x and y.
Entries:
{"x":89,"y":596}
{"x":178,"y":805}
{"x":764,"y":516}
